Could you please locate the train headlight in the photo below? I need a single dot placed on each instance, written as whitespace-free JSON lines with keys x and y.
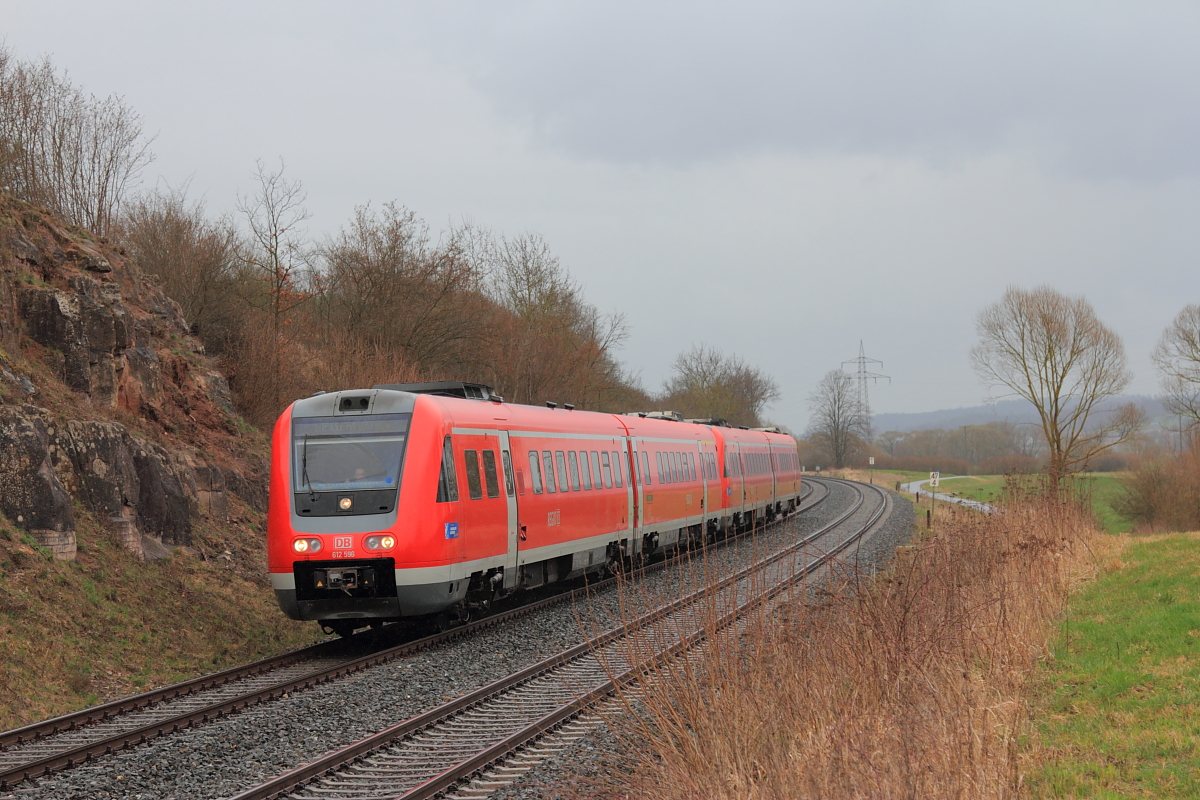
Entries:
{"x":386,"y":542}
{"x":344,"y":503}
{"x":307,"y":545}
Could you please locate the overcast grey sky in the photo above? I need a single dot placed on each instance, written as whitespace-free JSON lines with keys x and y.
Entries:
{"x":776,"y":180}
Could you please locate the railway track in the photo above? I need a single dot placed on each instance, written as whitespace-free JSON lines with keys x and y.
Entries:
{"x":73,"y":739}
{"x":435,"y":752}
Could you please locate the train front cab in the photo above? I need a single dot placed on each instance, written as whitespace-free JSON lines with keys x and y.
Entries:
{"x":354,"y":532}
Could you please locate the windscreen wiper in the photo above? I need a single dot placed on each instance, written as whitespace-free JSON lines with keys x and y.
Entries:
{"x":312,"y":494}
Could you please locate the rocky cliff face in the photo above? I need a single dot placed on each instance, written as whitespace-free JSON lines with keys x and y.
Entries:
{"x":107,"y":404}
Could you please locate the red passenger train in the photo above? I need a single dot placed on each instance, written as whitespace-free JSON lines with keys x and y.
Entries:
{"x":417,"y":499}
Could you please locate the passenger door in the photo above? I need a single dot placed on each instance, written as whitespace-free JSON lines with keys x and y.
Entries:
{"x":510,"y":493}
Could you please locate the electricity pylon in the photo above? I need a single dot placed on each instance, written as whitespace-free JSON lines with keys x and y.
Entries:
{"x":863,"y":375}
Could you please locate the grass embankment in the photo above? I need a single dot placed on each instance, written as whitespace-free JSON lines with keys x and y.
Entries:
{"x":912,"y":684}
{"x":1120,"y":702}
{"x":108,"y":625}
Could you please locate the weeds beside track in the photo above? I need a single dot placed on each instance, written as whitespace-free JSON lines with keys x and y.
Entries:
{"x":911,"y":684}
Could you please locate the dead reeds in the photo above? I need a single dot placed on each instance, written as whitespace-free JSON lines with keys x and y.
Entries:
{"x":908,"y":684}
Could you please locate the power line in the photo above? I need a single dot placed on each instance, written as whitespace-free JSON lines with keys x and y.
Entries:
{"x":863,"y":375}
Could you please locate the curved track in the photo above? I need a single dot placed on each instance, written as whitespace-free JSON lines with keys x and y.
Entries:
{"x":434,"y":752}
{"x":73,"y":739}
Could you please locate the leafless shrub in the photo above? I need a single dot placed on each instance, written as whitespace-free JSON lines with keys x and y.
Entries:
{"x":72,"y":152}
{"x":911,"y":684}
{"x":194,"y":259}
{"x":1163,"y":493}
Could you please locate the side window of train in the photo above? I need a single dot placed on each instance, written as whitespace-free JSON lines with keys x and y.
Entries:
{"x":561,"y":460}
{"x":585,"y":468}
{"x":447,"y":491}
{"x":646,"y":469}
{"x":616,"y":466}
{"x":489,"y":473}
{"x":597,"y":480}
{"x":625,"y":467}
{"x":692,"y":465}
{"x":508,"y":472}
{"x":548,"y":464}
{"x":676,"y":475}
{"x":658,"y":459}
{"x":573,"y":468}
{"x":474,"y":487}
{"x":535,"y":472}
{"x":606,"y":469}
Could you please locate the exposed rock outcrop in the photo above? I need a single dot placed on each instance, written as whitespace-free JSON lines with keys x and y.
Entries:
{"x":122,"y":353}
{"x":31,"y":494}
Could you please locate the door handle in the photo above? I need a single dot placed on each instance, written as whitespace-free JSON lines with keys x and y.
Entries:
{"x":523,"y":534}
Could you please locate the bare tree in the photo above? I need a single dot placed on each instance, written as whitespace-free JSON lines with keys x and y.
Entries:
{"x":194,"y":258}
{"x":392,"y":288}
{"x":277,"y":260}
{"x":888,"y":441}
{"x":549,"y":343}
{"x":839,"y":421}
{"x":705,"y":382}
{"x":61,"y":148}
{"x":1053,"y":351}
{"x":1177,"y":357}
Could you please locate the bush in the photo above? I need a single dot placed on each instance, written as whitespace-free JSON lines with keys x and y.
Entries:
{"x":1164,"y":493}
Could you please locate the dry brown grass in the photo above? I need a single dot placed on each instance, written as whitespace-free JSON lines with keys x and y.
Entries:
{"x":912,"y":684}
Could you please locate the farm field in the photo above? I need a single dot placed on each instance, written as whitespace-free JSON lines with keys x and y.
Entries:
{"x":1105,"y":490}
{"x":1117,"y":702}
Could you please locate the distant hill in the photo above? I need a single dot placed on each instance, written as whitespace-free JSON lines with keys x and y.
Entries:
{"x":1003,"y":410}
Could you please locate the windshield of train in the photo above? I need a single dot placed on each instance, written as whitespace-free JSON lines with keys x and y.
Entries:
{"x":331,"y":454}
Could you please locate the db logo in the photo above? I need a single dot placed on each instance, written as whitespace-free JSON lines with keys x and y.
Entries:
{"x":343,"y":542}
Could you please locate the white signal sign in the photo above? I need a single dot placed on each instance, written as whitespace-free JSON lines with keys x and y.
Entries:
{"x":934,"y":477}
{"x":872,"y":460}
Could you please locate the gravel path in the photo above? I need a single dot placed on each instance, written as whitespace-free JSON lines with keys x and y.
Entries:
{"x":228,"y":756}
{"x":584,"y":769}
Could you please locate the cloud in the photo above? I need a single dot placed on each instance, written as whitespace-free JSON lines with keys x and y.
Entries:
{"x":1096,"y":90}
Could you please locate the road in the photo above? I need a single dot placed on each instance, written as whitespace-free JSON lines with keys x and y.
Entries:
{"x":915,"y":488}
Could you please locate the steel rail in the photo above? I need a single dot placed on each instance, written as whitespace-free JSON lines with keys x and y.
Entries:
{"x":332,"y":762}
{"x":14,"y":773}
